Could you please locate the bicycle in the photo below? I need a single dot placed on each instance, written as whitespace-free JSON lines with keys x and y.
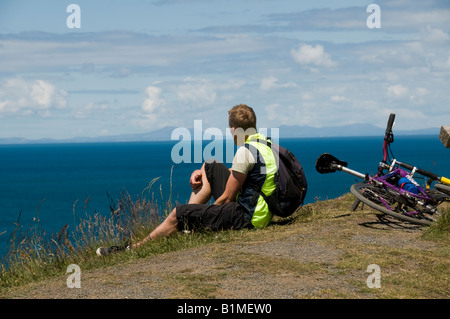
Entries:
{"x":393,"y":190}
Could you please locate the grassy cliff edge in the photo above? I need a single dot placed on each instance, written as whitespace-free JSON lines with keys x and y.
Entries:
{"x":323,"y":251}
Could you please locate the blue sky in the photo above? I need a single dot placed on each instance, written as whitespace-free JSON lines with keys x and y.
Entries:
{"x":136,"y":66}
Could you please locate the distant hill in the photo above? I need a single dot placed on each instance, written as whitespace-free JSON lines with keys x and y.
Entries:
{"x":162,"y":134}
{"x":285,"y":131}
{"x":347,"y":130}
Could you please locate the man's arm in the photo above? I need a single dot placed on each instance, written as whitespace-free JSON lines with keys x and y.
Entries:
{"x":234,"y":185}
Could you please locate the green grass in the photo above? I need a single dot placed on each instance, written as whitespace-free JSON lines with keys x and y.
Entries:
{"x":441,"y":228}
{"x":35,"y":255}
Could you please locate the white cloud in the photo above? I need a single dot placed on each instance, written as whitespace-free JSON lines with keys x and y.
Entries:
{"x":312,"y":55}
{"x":204,"y":93}
{"x":442,"y":62}
{"x":404,"y":64}
{"x":89,"y":109}
{"x":307,"y":96}
{"x":152,"y":107}
{"x":153,"y":102}
{"x":198,"y":91}
{"x":271,"y":82}
{"x":268,"y":82}
{"x":338,"y":98}
{"x":399,"y":17}
{"x":428,"y":52}
{"x":397,"y":91}
{"x":121,"y":53}
{"x":430,"y":34}
{"x":418,"y":96}
{"x":178,"y":103}
{"x":305,"y":113}
{"x":407,"y":18}
{"x":26,"y":98}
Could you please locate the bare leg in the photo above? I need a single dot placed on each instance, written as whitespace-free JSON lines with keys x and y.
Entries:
{"x":166,"y":228}
{"x":200,"y":195}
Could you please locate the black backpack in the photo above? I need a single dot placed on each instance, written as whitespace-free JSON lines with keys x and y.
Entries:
{"x":290,"y":183}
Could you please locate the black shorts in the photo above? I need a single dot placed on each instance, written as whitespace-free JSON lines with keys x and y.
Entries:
{"x":213,"y":217}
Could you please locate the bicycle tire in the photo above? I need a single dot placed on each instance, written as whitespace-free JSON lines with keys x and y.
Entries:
{"x":372,"y":195}
{"x":443,"y":188}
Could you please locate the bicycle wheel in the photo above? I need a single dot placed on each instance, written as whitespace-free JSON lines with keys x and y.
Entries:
{"x":391,"y":203}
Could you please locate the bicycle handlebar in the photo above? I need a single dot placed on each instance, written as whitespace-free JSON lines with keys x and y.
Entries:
{"x":388,"y":138}
{"x":390,"y":124}
{"x":420,"y":171}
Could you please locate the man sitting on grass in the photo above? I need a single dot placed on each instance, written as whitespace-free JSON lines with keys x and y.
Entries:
{"x":237,"y":205}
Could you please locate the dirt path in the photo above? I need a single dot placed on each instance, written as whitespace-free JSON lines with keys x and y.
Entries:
{"x":324,"y":258}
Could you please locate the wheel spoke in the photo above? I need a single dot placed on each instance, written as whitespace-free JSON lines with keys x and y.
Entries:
{"x":389,"y":202}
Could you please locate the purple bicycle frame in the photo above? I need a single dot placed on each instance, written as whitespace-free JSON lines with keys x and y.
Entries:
{"x":396,"y":172}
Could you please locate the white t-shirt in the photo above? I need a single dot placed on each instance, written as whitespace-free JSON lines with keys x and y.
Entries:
{"x":243,"y":161}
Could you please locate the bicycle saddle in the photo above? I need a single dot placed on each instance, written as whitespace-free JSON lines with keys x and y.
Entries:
{"x":325,"y":163}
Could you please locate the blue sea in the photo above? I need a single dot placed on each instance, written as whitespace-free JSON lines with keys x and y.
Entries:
{"x":61,"y":183}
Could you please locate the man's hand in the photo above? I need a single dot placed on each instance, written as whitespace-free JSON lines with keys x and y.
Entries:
{"x":196,"y":179}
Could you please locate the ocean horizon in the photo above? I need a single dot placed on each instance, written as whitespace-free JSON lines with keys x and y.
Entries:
{"x":61,"y":183}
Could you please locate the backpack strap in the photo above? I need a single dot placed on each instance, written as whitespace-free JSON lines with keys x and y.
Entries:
{"x":257,"y":188}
